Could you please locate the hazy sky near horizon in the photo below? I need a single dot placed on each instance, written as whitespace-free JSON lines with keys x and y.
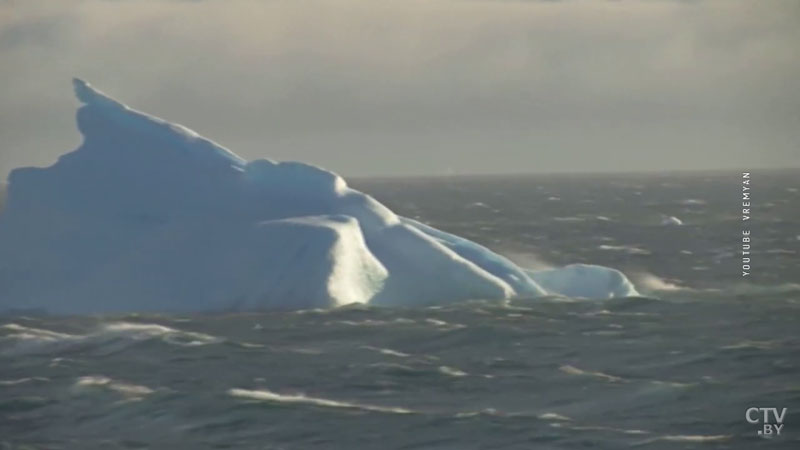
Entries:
{"x":394,"y":87}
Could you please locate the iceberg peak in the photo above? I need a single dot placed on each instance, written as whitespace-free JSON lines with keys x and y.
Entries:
{"x":102,"y":112}
{"x":89,"y":95}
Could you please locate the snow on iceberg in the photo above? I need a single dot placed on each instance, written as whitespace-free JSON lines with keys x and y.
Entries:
{"x":147,"y":215}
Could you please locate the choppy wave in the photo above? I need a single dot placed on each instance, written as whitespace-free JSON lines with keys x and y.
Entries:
{"x":19,"y":340}
{"x":542,"y":374}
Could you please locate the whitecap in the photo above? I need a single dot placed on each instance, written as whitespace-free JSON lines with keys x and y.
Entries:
{"x":672,"y":384}
{"x":387,"y":351}
{"x":300,"y":399}
{"x":127,"y":390}
{"x":144,"y":331}
{"x":629,"y":249}
{"x":780,"y":251}
{"x":305,"y":351}
{"x":598,"y":428}
{"x":650,"y":283}
{"x":488,"y":412}
{"x":748,"y":344}
{"x":572,"y":370}
{"x":452,"y":371}
{"x":443,"y":324}
{"x":692,"y":438}
{"x":250,"y":345}
{"x":21,"y":340}
{"x":553,"y":416}
{"x":21,"y":332}
{"x":108,"y":338}
{"x":372,"y":322}
{"x":23,"y":381}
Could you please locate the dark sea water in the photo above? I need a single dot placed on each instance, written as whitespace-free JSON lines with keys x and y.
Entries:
{"x":678,"y":370}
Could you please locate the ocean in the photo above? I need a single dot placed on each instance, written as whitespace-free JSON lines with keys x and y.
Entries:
{"x":679,"y":368}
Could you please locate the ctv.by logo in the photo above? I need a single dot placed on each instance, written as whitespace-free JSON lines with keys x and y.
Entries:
{"x":770,"y":428}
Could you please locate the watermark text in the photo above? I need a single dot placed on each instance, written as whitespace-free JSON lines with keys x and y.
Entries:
{"x":745,"y":220}
{"x":770,"y":419}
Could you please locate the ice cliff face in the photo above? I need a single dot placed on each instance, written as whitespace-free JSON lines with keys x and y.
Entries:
{"x":147,"y":215}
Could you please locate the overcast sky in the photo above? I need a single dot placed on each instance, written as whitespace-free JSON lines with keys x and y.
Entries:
{"x":420,"y":87}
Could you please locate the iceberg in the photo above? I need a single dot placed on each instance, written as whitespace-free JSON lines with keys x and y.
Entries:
{"x":147,"y":215}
